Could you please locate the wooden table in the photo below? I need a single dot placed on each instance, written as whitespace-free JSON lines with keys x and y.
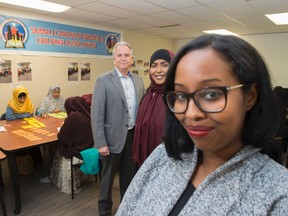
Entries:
{"x":24,"y":134}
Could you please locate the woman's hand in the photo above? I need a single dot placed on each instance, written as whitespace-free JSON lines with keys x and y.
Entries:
{"x":56,"y":111}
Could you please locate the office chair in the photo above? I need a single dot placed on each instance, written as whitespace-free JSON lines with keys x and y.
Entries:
{"x":3,"y":116}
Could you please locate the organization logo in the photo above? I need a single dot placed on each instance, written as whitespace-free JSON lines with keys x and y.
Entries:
{"x":14,"y":33}
{"x":110,"y":42}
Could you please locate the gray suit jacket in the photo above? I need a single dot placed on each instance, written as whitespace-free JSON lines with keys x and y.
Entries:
{"x":109,"y":111}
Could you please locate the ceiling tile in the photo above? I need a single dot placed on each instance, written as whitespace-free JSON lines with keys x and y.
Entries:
{"x":178,"y":4}
{"x":138,"y":6}
{"x":86,"y":15}
{"x":146,"y":16}
{"x":128,"y":24}
{"x":201,"y":13}
{"x":235,"y":8}
{"x":71,"y":3}
{"x":150,"y":20}
{"x":108,"y":10}
{"x":173,"y":17}
{"x":270,"y":6}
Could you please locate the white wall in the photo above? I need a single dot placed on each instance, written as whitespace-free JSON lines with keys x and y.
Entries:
{"x":274,"y":50}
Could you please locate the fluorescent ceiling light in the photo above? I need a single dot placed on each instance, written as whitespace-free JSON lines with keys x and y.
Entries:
{"x":219,"y":31}
{"x":279,"y":18}
{"x":38,"y":4}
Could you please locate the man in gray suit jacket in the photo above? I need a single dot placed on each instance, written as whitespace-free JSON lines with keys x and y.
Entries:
{"x":114,"y":107}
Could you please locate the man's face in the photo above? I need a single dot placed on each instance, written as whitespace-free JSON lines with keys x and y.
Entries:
{"x":122,"y":59}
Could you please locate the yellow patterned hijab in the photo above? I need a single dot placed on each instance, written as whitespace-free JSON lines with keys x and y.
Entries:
{"x":26,"y":107}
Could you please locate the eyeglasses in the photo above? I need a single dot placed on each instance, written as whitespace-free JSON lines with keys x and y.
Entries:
{"x":209,"y":99}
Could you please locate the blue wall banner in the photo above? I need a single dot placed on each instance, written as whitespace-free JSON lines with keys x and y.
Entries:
{"x":47,"y":37}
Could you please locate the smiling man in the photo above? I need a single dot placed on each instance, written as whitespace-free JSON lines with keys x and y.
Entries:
{"x":114,"y":107}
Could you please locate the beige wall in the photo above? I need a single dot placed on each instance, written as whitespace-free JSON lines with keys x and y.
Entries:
{"x":273,"y":48}
{"x":48,"y":70}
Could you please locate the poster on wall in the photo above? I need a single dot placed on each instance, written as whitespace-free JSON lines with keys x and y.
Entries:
{"x":85,"y":71}
{"x":73,"y":71}
{"x":24,"y":71}
{"x":48,"y":38}
{"x":110,"y":42}
{"x":5,"y":71}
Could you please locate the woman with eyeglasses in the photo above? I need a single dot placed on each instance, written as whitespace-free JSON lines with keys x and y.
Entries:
{"x":217,"y":157}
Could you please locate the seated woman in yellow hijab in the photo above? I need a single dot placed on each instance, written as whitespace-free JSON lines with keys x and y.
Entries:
{"x":20,"y":106}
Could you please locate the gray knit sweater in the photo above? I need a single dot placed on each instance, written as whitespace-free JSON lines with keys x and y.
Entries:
{"x":248,"y":184}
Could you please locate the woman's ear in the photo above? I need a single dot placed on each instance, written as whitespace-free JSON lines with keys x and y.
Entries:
{"x":251,"y":97}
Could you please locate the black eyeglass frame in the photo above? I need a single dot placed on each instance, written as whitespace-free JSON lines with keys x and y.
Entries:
{"x":225,"y":90}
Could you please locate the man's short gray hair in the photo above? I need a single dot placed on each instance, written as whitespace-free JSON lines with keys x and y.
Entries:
{"x":121,"y":43}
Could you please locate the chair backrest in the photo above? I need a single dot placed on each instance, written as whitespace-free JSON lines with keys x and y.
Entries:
{"x":87,"y":98}
{"x":37,"y":112}
{"x":3,"y":116}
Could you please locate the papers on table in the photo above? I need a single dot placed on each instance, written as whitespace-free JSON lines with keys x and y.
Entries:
{"x":58,"y":115}
{"x":2,"y":128}
{"x":32,"y":123}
